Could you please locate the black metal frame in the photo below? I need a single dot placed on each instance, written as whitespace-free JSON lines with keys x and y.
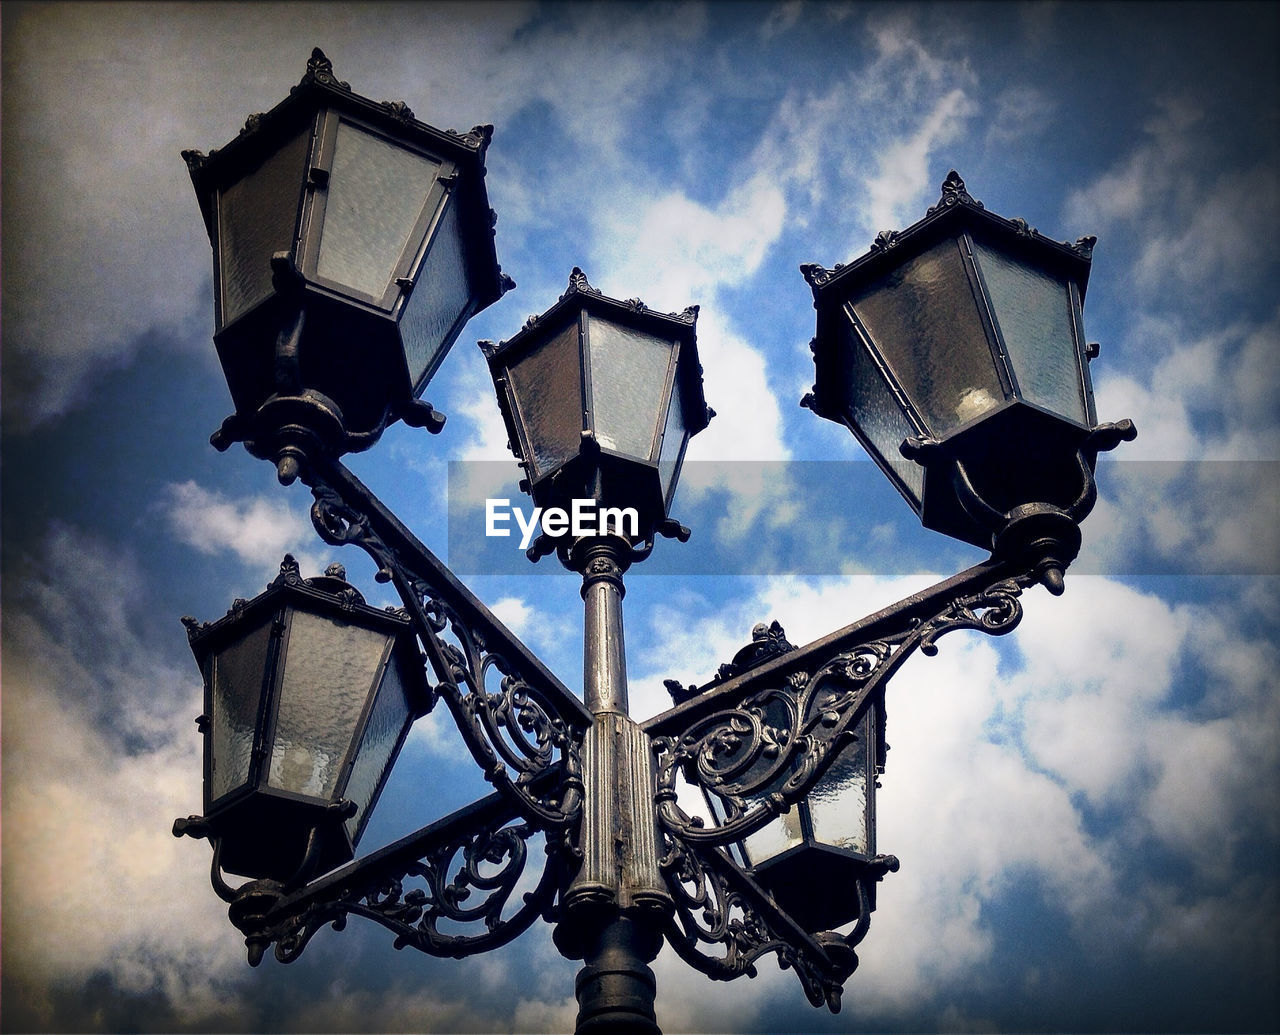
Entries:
{"x":533,"y":725}
{"x":623,"y":865}
{"x":282,"y":410}
{"x":943,"y":503}
{"x":595,"y":469}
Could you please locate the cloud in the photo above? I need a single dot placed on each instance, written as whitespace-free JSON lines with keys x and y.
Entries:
{"x":904,"y":173}
{"x":258,"y":530}
{"x":1058,"y":757}
{"x":1150,"y":176}
{"x":1021,"y":111}
{"x":100,"y":757}
{"x":1196,"y":218}
{"x":98,"y":219}
{"x":929,"y":97}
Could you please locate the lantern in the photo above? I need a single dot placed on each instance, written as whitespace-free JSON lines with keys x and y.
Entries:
{"x":818,"y":858}
{"x":959,"y":343}
{"x":351,"y":244}
{"x":309,"y":694}
{"x":600,"y":398}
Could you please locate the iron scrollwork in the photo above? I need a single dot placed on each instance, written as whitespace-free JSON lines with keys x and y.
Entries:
{"x":773,"y":738}
{"x":513,"y":715}
{"x":758,"y":737}
{"x":427,"y":890}
{"x":716,"y":904}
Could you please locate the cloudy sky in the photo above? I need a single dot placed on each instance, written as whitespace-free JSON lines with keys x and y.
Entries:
{"x":1086,"y":811}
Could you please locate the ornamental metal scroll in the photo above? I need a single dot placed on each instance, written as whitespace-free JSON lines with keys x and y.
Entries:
{"x":717,"y":904}
{"x":763,"y":741}
{"x":513,"y":714}
{"x":461,"y":872}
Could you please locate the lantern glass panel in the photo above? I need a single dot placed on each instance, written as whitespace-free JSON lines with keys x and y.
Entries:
{"x":775,"y":837}
{"x":547,"y":383}
{"x":673,"y":439}
{"x":1033,"y":310}
{"x":329,"y":670}
{"x":628,"y":382}
{"x":876,"y":411}
{"x":838,"y":803}
{"x":257,"y":217}
{"x":388,"y":718}
{"x":440,"y":299}
{"x":923,"y":320}
{"x":238,"y":673}
{"x":375,"y":197}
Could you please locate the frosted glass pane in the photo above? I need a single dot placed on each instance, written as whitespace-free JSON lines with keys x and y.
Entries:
{"x":548,"y":390}
{"x":387,"y":721}
{"x":628,"y":379}
{"x":376,"y":193}
{"x":238,"y":673}
{"x":923,"y":319}
{"x":775,"y":837}
{"x":876,"y":412}
{"x":329,"y":670}
{"x":257,"y":217}
{"x":1034,"y":314}
{"x":441,"y":296}
{"x":838,"y":802}
{"x":673,"y":437}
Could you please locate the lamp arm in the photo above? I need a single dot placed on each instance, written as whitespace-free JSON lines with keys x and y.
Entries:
{"x":514,"y":715}
{"x":761,"y":739}
{"x":460,"y":870}
{"x":717,"y":903}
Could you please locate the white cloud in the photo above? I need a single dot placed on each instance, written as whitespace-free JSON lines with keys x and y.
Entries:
{"x":258,"y":530}
{"x":904,"y":172}
{"x":105,"y":887}
{"x":1150,"y":177}
{"x":1057,"y":763}
{"x":1198,"y":220}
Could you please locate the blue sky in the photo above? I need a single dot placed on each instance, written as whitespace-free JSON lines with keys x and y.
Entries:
{"x":1086,"y":811}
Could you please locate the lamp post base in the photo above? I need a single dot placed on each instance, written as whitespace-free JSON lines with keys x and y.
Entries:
{"x":615,"y":986}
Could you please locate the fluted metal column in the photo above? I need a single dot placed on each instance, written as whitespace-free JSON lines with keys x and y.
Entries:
{"x":616,"y":905}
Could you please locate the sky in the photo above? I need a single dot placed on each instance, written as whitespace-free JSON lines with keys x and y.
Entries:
{"x":1086,"y":811}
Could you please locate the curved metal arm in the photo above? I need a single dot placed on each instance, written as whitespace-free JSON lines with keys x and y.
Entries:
{"x":718,"y":904}
{"x":762,"y":739}
{"x":526,"y":723}
{"x":461,"y":870}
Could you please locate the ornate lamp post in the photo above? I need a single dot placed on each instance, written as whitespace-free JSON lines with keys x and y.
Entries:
{"x":342,"y":282}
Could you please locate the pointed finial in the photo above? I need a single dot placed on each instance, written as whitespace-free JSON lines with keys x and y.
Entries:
{"x":578,"y":281}
{"x":320,"y":70}
{"x":954,"y":192}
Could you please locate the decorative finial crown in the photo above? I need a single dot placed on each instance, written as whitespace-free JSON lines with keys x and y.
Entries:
{"x":815,"y":274}
{"x":577,"y":282}
{"x":320,"y":70}
{"x":954,"y":192}
{"x":1084,"y":245}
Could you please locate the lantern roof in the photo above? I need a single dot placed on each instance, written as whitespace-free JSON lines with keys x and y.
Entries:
{"x":955,"y":211}
{"x":321,"y":88}
{"x":579,"y":296}
{"x":330,"y":593}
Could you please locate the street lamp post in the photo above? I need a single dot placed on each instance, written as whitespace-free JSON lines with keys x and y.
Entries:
{"x":351,"y":244}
